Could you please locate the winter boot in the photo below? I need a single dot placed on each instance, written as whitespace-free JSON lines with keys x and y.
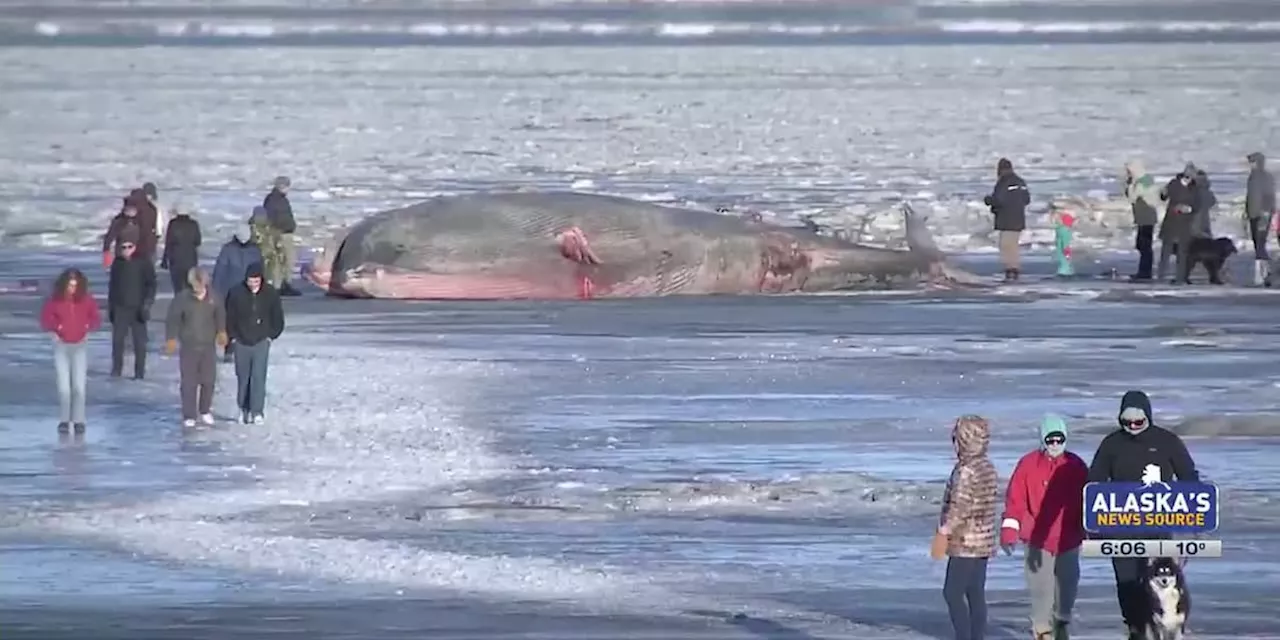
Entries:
{"x":79,"y":427}
{"x":1008,"y":275}
{"x":64,"y":427}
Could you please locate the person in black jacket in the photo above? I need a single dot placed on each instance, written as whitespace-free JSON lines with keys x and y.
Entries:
{"x":1122,"y":457}
{"x":181,"y":249}
{"x":1008,"y":202}
{"x":280,"y":214}
{"x":1175,"y":230}
{"x":130,"y":294}
{"x":255,"y":317}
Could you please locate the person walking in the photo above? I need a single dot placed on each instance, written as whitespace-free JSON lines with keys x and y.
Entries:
{"x":1143,"y":195}
{"x":1123,"y":456}
{"x":232,"y":267}
{"x":130,"y":293}
{"x":1008,"y":202}
{"x":70,"y":314}
{"x":255,"y":318}
{"x":968,"y":523}
{"x":280,"y":215}
{"x":181,"y":248}
{"x":1259,"y":207}
{"x":196,"y":327}
{"x":1043,"y":509}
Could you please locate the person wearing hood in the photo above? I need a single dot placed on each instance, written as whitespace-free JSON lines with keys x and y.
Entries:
{"x":143,"y":202}
{"x":196,"y":324}
{"x":1043,"y":509}
{"x":131,"y":291}
{"x":968,"y":523}
{"x":1143,"y":195}
{"x":1063,"y":233}
{"x":1008,"y":202}
{"x":1122,"y":456}
{"x":280,"y":214}
{"x":255,"y":318}
{"x":181,"y":248}
{"x":1180,"y":196}
{"x":1199,"y":226}
{"x":232,"y":266}
{"x":1259,"y":207}
{"x":122,"y":224}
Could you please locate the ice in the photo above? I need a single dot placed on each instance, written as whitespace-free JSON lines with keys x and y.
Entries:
{"x":842,"y":138}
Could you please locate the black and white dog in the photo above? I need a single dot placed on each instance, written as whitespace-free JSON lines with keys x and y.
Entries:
{"x":1170,"y":600}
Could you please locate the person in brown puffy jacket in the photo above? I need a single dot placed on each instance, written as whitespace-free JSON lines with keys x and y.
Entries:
{"x":969,"y":523}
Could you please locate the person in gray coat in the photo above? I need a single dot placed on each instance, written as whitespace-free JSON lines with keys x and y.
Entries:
{"x":196,"y":327}
{"x":1259,"y":207}
{"x":1199,"y":224}
{"x":1180,"y":196}
{"x":1008,"y":203}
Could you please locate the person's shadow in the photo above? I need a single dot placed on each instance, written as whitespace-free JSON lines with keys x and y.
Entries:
{"x":71,"y":461}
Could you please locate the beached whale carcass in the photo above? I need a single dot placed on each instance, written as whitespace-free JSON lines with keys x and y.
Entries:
{"x":562,"y":245}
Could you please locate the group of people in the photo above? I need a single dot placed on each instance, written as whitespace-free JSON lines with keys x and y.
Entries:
{"x":1188,"y":201}
{"x":237,"y":309}
{"x":1044,"y":511}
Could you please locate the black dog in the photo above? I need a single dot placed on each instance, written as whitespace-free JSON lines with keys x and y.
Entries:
{"x":1212,"y":253}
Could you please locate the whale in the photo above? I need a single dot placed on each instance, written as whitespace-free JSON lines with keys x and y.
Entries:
{"x":572,"y":245}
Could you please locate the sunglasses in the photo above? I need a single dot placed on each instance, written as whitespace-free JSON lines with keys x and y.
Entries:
{"x":1133,"y":423}
{"x":1055,"y":440}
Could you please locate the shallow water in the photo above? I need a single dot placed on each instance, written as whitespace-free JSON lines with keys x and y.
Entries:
{"x":657,"y":466}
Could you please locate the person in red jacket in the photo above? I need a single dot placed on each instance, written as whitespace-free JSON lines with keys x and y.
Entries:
{"x":70,"y":314}
{"x":1044,"y":508}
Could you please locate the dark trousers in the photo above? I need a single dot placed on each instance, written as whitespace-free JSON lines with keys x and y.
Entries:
{"x":197,"y":372}
{"x":251,"y":376}
{"x":965,"y":590}
{"x":178,"y":278}
{"x":1258,"y":229}
{"x":128,"y":324}
{"x":1143,"y":243}
{"x":1131,"y":591}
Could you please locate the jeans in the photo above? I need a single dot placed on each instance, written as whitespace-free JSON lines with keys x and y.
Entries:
{"x":1143,"y":242}
{"x":965,"y":590}
{"x":71,"y":366}
{"x":197,"y":373}
{"x":128,"y":324}
{"x":251,"y":376}
{"x":1053,"y":582}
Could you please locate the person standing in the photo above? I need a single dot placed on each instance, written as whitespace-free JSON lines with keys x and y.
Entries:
{"x":1143,"y":195}
{"x":968,"y":522}
{"x":70,"y":314}
{"x":1043,"y":508}
{"x":130,"y":294}
{"x":232,"y":267}
{"x":122,"y":224}
{"x":1123,"y":456}
{"x":1008,"y":202}
{"x":1175,"y":228}
{"x":196,"y":327}
{"x":1259,"y":207}
{"x":255,"y":318}
{"x":280,"y":215}
{"x":181,"y":249}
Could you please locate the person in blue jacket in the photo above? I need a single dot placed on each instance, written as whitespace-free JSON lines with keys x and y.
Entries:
{"x":234,"y":260}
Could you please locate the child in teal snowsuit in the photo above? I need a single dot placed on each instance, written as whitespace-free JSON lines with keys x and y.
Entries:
{"x":1062,"y":235}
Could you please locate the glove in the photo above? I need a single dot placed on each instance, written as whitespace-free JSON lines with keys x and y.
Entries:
{"x":1034,"y":559}
{"x":987,"y":201}
{"x":221,"y":339}
{"x":170,"y":346}
{"x":1008,"y":540}
{"x":144,"y":315}
{"x":106,"y":259}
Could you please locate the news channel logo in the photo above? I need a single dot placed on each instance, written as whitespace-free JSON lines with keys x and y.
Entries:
{"x":1152,"y":506}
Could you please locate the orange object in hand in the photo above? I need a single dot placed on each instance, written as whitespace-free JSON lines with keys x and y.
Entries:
{"x":222,"y":339}
{"x":106,"y":259}
{"x":170,"y":346}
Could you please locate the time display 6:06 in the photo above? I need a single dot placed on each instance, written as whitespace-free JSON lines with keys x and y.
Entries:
{"x":1151,"y":549}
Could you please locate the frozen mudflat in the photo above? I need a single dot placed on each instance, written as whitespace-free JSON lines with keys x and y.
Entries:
{"x":728,"y":468}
